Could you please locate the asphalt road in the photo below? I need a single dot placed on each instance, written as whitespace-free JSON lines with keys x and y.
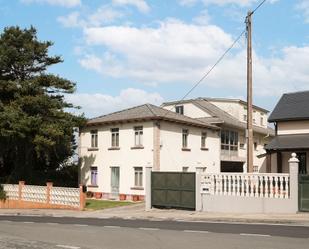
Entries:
{"x":50,"y":233}
{"x":213,"y":227}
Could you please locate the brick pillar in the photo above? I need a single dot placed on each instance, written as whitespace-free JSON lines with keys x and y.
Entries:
{"x":49,"y":186}
{"x":82,"y":197}
{"x":156,"y":146}
{"x":20,"y":190}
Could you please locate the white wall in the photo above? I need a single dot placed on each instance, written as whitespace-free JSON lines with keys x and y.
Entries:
{"x":190,"y":110}
{"x":293,"y":127}
{"x":126,"y":158}
{"x":172,"y":156}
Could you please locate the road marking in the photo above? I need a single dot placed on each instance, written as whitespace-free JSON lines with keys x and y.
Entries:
{"x":69,"y":247}
{"x":28,"y":222}
{"x":112,"y":226}
{"x":195,"y":231}
{"x":80,"y":225}
{"x":148,"y":228}
{"x":51,"y":223}
{"x":6,"y":221}
{"x":255,"y":234}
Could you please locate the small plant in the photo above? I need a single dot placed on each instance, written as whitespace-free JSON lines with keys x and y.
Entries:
{"x":2,"y":194}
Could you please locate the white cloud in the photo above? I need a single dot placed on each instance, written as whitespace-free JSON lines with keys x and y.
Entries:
{"x":64,"y":3}
{"x":303,"y":6}
{"x":241,"y":3}
{"x":188,"y":2}
{"x":99,"y":104}
{"x":102,"y":16}
{"x":177,"y":52}
{"x":141,"y":5}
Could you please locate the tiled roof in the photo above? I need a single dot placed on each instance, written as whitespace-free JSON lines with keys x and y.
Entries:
{"x":148,"y":112}
{"x":291,"y":106}
{"x":226,"y":118}
{"x":286,"y":142}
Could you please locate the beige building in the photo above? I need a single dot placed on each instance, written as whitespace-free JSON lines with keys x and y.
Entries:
{"x":231,"y":116}
{"x":291,"y":120}
{"x":115,"y":149}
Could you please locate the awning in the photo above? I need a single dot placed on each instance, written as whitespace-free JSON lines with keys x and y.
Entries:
{"x":289,"y":142}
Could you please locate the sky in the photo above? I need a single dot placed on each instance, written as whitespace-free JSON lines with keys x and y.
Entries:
{"x":122,"y":53}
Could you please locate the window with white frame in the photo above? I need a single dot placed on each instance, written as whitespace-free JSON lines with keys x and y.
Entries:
{"x":255,"y":169}
{"x":94,"y":138}
{"x":115,"y":137}
{"x":179,"y":109}
{"x":138,"y":176}
{"x":229,"y":140}
{"x":138,"y":136}
{"x":94,"y":176}
{"x":203,"y":139}
{"x":185,"y":134}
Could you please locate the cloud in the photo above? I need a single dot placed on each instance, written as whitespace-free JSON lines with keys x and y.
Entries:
{"x":141,"y":5}
{"x":303,"y":6}
{"x":102,"y":16}
{"x":63,"y":3}
{"x":177,"y":52}
{"x":241,"y":3}
{"x":99,"y":104}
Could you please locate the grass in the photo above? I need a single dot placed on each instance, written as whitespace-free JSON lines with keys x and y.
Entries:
{"x":103,"y":204}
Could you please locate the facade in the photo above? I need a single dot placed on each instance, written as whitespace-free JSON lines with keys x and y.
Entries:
{"x":115,"y":149}
{"x":291,"y":120}
{"x":231,"y":116}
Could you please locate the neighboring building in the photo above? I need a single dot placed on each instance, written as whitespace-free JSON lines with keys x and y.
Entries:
{"x":231,"y":116}
{"x":291,"y":119}
{"x":115,"y":148}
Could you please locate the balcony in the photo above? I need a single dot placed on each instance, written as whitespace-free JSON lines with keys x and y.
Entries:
{"x":231,"y":155}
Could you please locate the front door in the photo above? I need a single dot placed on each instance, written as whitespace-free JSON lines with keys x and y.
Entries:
{"x":115,"y":182}
{"x":302,"y":157}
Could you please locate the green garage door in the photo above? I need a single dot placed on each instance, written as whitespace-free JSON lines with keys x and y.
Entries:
{"x":173,"y":190}
{"x":304,"y":193}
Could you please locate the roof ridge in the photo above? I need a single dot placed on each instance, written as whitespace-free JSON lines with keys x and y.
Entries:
{"x":149,"y":106}
{"x":130,"y":108}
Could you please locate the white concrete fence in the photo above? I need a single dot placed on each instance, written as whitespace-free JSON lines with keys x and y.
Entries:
{"x":248,"y":193}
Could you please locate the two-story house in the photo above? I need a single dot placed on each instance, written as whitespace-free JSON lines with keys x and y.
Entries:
{"x":114,"y":149}
{"x":291,"y":120}
{"x":231,"y":116}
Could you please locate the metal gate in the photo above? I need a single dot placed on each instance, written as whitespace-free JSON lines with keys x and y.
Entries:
{"x":173,"y":190}
{"x":304,"y":193}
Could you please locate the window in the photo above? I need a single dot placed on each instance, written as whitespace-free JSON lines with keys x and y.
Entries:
{"x":179,"y":109}
{"x":138,"y":176}
{"x":115,"y":137}
{"x":229,"y":140}
{"x":245,"y":117}
{"x":241,"y":145}
{"x":255,"y":169}
{"x":255,"y":145}
{"x":138,"y":135}
{"x":94,"y":138}
{"x":254,"y":121}
{"x":94,"y":176}
{"x":203,"y":139}
{"x":185,"y":134}
{"x":185,"y":169}
{"x":262,"y":121}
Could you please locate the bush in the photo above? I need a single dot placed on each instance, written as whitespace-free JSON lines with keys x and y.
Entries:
{"x":2,"y":194}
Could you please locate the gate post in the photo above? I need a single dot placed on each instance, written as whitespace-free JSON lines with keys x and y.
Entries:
{"x":198,"y":194}
{"x":293,"y":165}
{"x":148,"y":189}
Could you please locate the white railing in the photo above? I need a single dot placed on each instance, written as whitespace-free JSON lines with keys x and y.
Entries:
{"x":246,"y":185}
{"x":11,"y":191}
{"x":34,"y":193}
{"x":65,"y":196}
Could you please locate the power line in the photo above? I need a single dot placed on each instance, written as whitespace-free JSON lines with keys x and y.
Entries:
{"x":217,"y":62}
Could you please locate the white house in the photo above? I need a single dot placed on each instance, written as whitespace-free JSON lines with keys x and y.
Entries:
{"x":291,"y":119}
{"x":231,"y":116}
{"x":115,"y":148}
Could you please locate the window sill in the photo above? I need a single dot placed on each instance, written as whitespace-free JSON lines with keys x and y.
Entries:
{"x":206,"y":149}
{"x":93,"y":149}
{"x":186,"y":149}
{"x":114,"y":148}
{"x":137,"y":147}
{"x":92,"y":186}
{"x":137,"y":188}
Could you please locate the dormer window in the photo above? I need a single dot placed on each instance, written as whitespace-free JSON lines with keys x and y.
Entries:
{"x":179,"y":109}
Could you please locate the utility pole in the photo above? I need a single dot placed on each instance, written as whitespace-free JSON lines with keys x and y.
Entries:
{"x":249,"y":94}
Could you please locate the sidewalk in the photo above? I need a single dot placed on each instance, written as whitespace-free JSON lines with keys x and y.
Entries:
{"x":137,"y":211}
